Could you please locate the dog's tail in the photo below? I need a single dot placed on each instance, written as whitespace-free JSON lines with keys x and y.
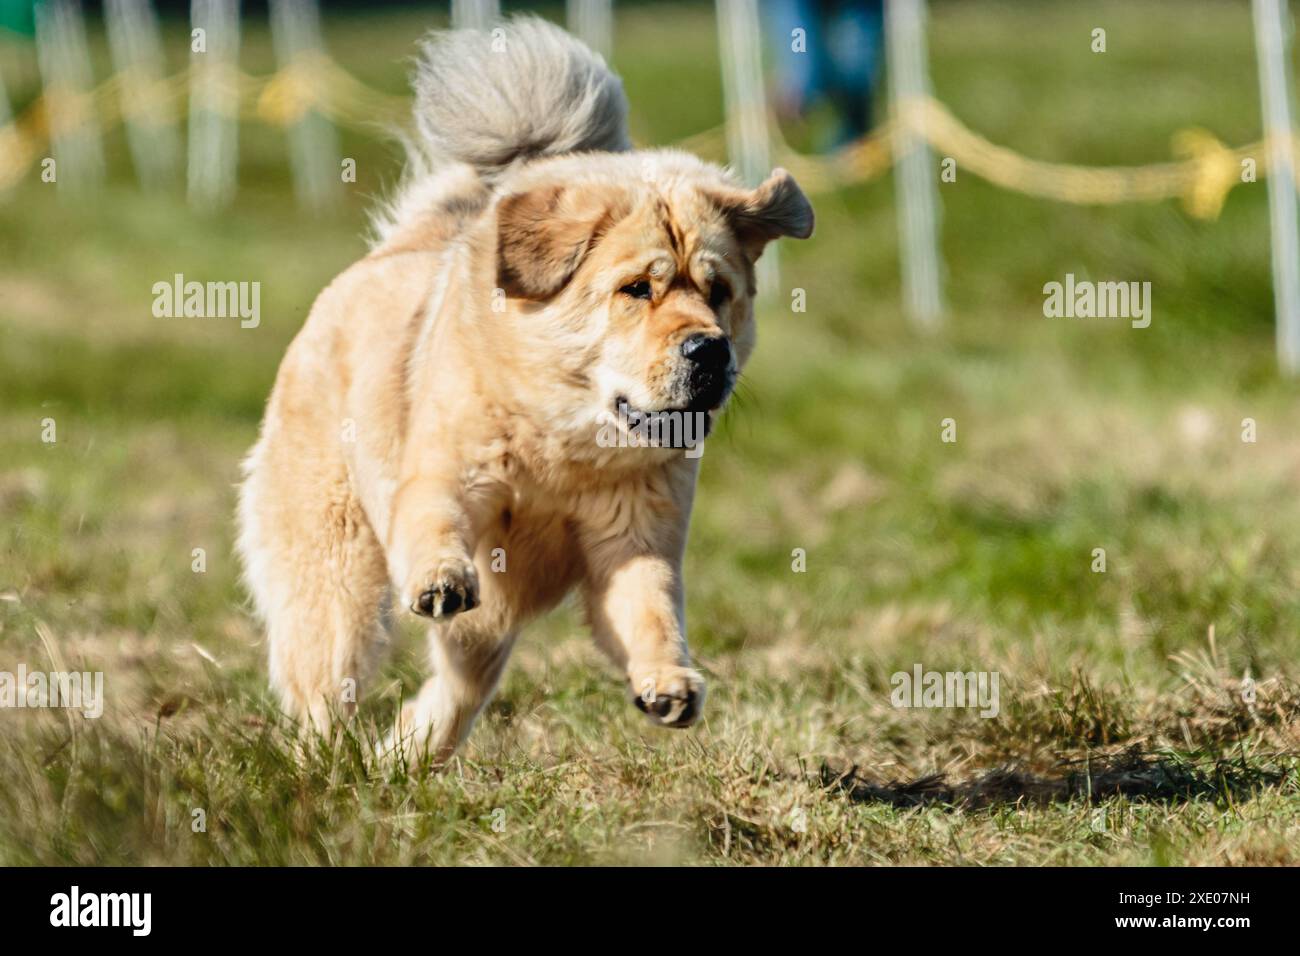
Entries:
{"x":521,"y":90}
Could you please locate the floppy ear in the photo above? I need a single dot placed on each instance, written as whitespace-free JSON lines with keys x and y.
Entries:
{"x":543,"y":236}
{"x":776,"y":208}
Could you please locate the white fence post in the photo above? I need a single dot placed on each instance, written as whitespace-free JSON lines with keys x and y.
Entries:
{"x":592,"y":21}
{"x":474,"y":14}
{"x":313,"y":143}
{"x":741,"y":47}
{"x":918,"y":202}
{"x":214,"y":103}
{"x":65,"y":73}
{"x":1271,"y":46}
{"x":150,"y":119}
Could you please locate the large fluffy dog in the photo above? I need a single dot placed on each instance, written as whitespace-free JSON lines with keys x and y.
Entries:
{"x":440,"y":426}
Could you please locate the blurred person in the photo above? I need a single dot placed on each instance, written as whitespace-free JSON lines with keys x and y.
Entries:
{"x":834,"y":62}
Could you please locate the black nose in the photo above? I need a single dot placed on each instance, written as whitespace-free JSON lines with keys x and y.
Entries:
{"x":709,"y":353}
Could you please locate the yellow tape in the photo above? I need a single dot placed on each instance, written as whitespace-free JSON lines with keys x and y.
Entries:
{"x":67,"y":111}
{"x":147,"y":100}
{"x":294,"y":91}
{"x":17,"y":153}
{"x":1201,"y":178}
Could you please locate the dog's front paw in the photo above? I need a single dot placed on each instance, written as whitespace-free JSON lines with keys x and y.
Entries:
{"x":670,"y":696}
{"x":450,"y":590}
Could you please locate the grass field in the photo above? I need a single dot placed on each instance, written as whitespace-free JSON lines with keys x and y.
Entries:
{"x":1125,"y":735}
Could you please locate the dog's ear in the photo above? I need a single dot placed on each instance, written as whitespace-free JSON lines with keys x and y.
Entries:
{"x":775,"y":208}
{"x":544,"y":234}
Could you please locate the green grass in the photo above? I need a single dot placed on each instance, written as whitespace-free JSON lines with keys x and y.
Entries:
{"x":1125,"y":735}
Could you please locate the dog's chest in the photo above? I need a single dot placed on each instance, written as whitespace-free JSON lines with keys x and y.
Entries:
{"x":530,"y":551}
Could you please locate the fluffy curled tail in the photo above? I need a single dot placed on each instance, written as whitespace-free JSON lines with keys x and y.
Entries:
{"x":521,"y":90}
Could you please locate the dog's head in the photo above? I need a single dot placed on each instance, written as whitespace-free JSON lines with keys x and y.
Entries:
{"x":639,"y":268}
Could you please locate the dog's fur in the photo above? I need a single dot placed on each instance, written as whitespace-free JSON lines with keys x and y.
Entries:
{"x":444,"y":397}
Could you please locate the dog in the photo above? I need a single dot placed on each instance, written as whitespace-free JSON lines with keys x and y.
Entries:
{"x":431,"y":440}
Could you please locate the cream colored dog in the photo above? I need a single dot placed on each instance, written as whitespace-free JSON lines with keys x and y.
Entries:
{"x":441,"y":426}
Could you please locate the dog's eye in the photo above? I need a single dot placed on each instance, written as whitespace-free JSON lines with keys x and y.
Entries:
{"x":637,"y":290}
{"x":719,"y":293}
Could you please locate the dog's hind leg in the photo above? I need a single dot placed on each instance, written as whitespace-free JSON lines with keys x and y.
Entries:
{"x":319,"y":579}
{"x":466,"y":670}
